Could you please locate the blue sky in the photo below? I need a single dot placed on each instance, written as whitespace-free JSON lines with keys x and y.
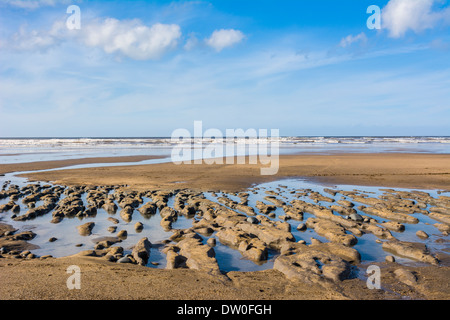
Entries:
{"x":146,"y":68}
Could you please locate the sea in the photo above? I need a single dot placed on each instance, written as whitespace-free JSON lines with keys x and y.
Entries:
{"x":18,"y":150}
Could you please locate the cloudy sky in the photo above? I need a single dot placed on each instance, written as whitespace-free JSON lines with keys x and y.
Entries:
{"x":146,"y":68}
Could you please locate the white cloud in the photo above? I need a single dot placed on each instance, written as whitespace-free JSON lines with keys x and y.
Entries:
{"x":350,"y":39}
{"x":191,"y":43}
{"x":36,"y":39}
{"x":221,"y":39}
{"x":400,"y":16}
{"x":132,"y":38}
{"x":128,"y":37}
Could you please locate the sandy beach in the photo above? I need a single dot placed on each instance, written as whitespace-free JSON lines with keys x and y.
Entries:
{"x":421,"y":171}
{"x":44,"y":278}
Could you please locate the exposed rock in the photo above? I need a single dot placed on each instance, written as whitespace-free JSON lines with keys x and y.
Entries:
{"x":377,"y":231}
{"x":6,"y":207}
{"x":332,"y":231}
{"x":388,"y":214}
{"x":138,"y":226}
{"x":316,"y":196}
{"x":198,"y":256}
{"x":250,"y":247}
{"x":442,"y":227}
{"x":252,"y":220}
{"x":275,"y":201}
{"x":127,"y":214}
{"x":273,"y":237}
{"x":442,"y":210}
{"x":343,"y":210}
{"x":405,"y":276}
{"x":394,"y":226}
{"x":324,"y":213}
{"x":312,"y":266}
{"x":355,"y":217}
{"x":265,"y":208}
{"x":346,"y":203}
{"x":422,"y":234}
{"x":174,"y":260}
{"x":86,"y":229}
{"x":346,"y":253}
{"x":123,"y":234}
{"x":169,"y":216}
{"x":293,"y":213}
{"x":113,"y":220}
{"x":129,"y":201}
{"x":148,"y":209}
{"x":105,"y":242}
{"x":25,"y":236}
{"x":440,"y":217}
{"x":211,"y":242}
{"x":330,"y":191}
{"x":110,"y":207}
{"x":141,"y":251}
{"x":124,"y":260}
{"x":411,"y":250}
{"x":245,"y":209}
{"x":390,"y":259}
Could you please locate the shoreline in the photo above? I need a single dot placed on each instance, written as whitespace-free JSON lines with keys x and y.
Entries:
{"x":393,"y":170}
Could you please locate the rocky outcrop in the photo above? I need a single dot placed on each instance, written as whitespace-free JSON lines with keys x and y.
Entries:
{"x":141,"y":251}
{"x":265,"y":208}
{"x":168,"y":216}
{"x":86,"y":229}
{"x":271,"y":236}
{"x":249,"y":246}
{"x":148,"y":209}
{"x":312,"y":266}
{"x":110,"y":207}
{"x":411,"y":250}
{"x":191,"y":253}
{"x":293,"y":213}
{"x":388,"y":214}
{"x":332,"y":231}
{"x":127,"y":213}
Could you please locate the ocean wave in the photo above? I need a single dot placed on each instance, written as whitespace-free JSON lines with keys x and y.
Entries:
{"x":81,"y":143}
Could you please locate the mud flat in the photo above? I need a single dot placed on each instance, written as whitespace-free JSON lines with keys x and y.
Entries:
{"x":421,"y":171}
{"x":45,"y":165}
{"x":308,"y":241}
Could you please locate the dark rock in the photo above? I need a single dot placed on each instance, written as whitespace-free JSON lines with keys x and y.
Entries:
{"x":141,"y":251}
{"x":86,"y":229}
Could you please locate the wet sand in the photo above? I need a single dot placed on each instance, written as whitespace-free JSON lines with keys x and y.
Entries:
{"x":46,"y":165}
{"x":101,"y":280}
{"x":421,"y":171}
